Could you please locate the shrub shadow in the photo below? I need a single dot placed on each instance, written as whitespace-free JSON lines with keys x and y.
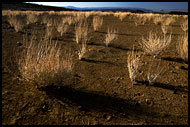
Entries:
{"x":179,"y":60}
{"x":98,"y":102}
{"x":181,"y":89}
{"x":123,"y":48}
{"x":99,"y":62}
{"x":119,"y":34}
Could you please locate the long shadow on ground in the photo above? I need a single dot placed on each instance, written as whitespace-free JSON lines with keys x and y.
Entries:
{"x":179,"y":60}
{"x":99,"y":102}
{"x":183,"y":89}
{"x":102,"y":62}
{"x":116,"y":47}
{"x":119,"y":34}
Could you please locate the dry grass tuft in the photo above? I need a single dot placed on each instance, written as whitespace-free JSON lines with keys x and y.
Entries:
{"x":69,"y":20}
{"x":164,"y":29}
{"x":182,"y":47}
{"x":43,"y":63}
{"x":17,"y":21}
{"x":81,"y":31}
{"x":121,"y":15}
{"x":97,"y":22}
{"x":82,"y":50}
{"x":62,"y":28}
{"x":184,"y":25}
{"x":153,"y":45}
{"x":154,"y":71}
{"x":167,"y":21}
{"x":133,"y":64}
{"x":157,"y":20}
{"x":31,"y":18}
{"x":110,"y":36}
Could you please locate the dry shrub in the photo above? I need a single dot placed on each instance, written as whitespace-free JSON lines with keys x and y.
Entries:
{"x":44,"y":18}
{"x":168,"y":20}
{"x":140,"y":19}
{"x":51,"y":21}
{"x":154,"y":71}
{"x":182,"y":47}
{"x":133,"y":64}
{"x":184,"y":25}
{"x":31,"y":18}
{"x":97,"y":22}
{"x":164,"y":29}
{"x":110,"y":36}
{"x":121,"y":15}
{"x":79,"y":17}
{"x":49,"y":31}
{"x":69,"y":20}
{"x":82,"y":36}
{"x":82,"y":50}
{"x":154,"y":44}
{"x":43,"y":63}
{"x":157,"y":20}
{"x":81,"y":31}
{"x":62,"y":28}
{"x":17,"y":21}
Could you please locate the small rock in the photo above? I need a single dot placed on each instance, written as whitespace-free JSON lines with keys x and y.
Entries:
{"x":177,"y":67}
{"x":137,"y":103}
{"x":149,"y":102}
{"x":183,"y":67}
{"x":175,"y":92}
{"x":108,"y":117}
{"x":67,"y":113}
{"x":67,"y":119}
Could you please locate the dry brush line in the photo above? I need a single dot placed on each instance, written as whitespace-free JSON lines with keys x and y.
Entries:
{"x":154,"y":44}
{"x":110,"y":36}
{"x":97,"y":22}
{"x":43,"y":63}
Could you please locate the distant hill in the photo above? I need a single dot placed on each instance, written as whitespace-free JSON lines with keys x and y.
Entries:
{"x":32,"y":7}
{"x":127,"y":9}
{"x":114,"y":9}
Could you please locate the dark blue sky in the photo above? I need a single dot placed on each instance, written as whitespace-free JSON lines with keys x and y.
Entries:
{"x":148,"y":5}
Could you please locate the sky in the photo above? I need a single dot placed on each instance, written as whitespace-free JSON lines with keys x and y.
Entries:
{"x":148,"y":5}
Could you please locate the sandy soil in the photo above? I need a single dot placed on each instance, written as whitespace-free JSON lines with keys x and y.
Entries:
{"x":99,"y":92}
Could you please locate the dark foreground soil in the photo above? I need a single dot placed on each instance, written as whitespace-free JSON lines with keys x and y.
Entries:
{"x":99,"y":90}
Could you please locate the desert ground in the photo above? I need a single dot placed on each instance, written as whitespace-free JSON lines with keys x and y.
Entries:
{"x":98,"y":90}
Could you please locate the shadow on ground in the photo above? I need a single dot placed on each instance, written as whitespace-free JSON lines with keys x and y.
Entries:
{"x":179,"y":60}
{"x":116,"y":47}
{"x":98,"y":102}
{"x":183,"y":89}
{"x":101,"y":62}
{"x":119,"y":34}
